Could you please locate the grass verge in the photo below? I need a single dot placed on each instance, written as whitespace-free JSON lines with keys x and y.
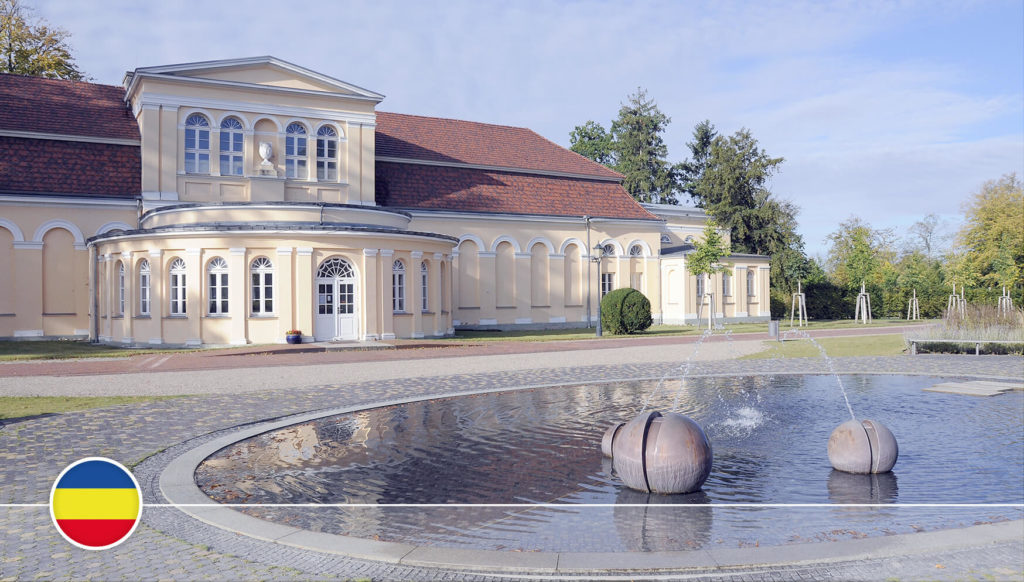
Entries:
{"x":19,"y":406}
{"x":69,"y":349}
{"x":655,"y":331}
{"x":870,"y":345}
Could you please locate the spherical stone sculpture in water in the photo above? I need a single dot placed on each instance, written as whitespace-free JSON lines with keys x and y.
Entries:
{"x":863,"y":446}
{"x":661,"y":453}
{"x":609,"y":438}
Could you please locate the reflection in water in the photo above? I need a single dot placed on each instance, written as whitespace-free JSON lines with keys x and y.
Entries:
{"x":657,"y":529}
{"x":769,"y":436}
{"x":867,"y":488}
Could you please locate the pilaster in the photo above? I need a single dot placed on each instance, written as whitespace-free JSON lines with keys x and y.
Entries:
{"x":239,"y":307}
{"x":284,"y":298}
{"x":157,"y":295}
{"x":370,"y":297}
{"x":387,"y":328}
{"x":194,"y":307}
{"x":127,"y":321}
{"x":414,"y":293}
{"x":304,"y":270}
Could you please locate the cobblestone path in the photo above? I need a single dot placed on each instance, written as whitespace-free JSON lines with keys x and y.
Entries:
{"x":169,"y":545}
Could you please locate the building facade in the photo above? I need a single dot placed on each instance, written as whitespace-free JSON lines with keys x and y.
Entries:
{"x":229,"y":202}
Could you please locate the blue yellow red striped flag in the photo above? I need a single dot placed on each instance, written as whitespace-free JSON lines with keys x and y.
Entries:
{"x":95,"y":503}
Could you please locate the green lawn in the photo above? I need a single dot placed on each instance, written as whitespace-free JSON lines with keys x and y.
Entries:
{"x":872,"y":345}
{"x":18,"y":406}
{"x":657,"y":330}
{"x":61,"y":350}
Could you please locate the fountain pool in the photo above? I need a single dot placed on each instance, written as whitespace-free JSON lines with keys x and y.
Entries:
{"x":542,"y":445}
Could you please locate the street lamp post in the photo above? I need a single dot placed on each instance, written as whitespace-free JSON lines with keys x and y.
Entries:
{"x":599,"y":250}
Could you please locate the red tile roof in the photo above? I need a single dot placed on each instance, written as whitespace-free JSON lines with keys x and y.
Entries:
{"x":467,"y":142}
{"x":46,"y":166}
{"x":416,"y":186}
{"x":65,"y":107}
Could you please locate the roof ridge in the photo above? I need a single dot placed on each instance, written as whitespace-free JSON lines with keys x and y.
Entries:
{"x":456,"y":120}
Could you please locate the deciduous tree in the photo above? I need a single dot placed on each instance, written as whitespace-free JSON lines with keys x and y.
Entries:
{"x":590,"y":140}
{"x":30,"y":46}
{"x":990,"y":245}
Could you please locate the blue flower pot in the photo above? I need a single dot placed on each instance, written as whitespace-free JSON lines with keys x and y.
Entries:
{"x":293,"y":338}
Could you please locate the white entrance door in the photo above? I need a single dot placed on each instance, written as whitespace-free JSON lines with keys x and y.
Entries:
{"x":336,"y":317}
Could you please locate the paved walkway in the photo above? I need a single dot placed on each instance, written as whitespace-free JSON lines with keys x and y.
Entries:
{"x":169,"y":545}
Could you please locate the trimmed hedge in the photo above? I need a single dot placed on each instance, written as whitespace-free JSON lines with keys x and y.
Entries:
{"x":625,"y":311}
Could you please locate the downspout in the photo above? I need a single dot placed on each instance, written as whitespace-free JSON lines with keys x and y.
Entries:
{"x":586,"y":219}
{"x":321,"y":214}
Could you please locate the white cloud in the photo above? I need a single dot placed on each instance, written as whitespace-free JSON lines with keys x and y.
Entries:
{"x":865,"y":128}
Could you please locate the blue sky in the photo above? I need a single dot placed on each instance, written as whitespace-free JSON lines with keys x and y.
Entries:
{"x":884,"y":110}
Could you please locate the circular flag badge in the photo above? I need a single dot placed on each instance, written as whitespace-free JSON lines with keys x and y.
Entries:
{"x":96,"y":503}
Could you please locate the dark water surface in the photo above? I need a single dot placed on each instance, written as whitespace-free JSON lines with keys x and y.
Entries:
{"x":769,"y":437}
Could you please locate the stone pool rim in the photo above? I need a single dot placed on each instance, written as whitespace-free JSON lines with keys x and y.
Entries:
{"x":177,"y":485}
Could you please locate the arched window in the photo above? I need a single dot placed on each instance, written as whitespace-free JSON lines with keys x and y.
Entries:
{"x":217,"y":290}
{"x":334,"y":269}
{"x":750,"y":283}
{"x":326,"y":153}
{"x":231,"y":147}
{"x":726,"y":284}
{"x":608,"y":250}
{"x":197,"y":144}
{"x":688,"y":240}
{"x":636,"y":251}
{"x":424,"y":286}
{"x":177,"y":283}
{"x":295,"y":151}
{"x":120,"y":288}
{"x":398,"y":286}
{"x":262,"y":275}
{"x":144,"y":278}
{"x":666,"y":239}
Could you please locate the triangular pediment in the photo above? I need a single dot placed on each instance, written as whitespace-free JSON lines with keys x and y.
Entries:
{"x":266,"y":71}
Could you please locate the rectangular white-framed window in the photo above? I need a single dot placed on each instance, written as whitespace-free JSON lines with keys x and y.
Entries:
{"x":295,"y":153}
{"x":231,"y":140}
{"x":398,"y":287}
{"x":197,"y":144}
{"x":177,"y":295}
{"x":144,"y":279}
{"x":424,"y":287}
{"x":700,"y":285}
{"x":607,"y":283}
{"x":217,"y":290}
{"x":327,"y":154}
{"x":120,"y":288}
{"x":262,"y":274}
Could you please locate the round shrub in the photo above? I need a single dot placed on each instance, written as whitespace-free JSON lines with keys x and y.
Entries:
{"x":625,"y":311}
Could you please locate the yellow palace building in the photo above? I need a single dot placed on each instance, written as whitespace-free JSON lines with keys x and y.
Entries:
{"x":228,"y":202}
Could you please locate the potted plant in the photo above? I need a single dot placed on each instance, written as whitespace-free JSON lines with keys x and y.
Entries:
{"x":293,"y":336}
